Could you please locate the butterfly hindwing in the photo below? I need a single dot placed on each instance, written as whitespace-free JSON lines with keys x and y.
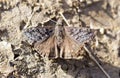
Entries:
{"x":69,"y":48}
{"x":46,"y":48}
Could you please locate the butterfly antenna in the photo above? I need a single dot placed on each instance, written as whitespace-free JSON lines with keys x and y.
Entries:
{"x":64,"y":19}
{"x":93,"y":58}
{"x":29,"y":19}
{"x":53,"y":21}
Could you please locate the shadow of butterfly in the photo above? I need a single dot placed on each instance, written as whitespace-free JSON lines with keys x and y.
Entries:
{"x":59,"y":41}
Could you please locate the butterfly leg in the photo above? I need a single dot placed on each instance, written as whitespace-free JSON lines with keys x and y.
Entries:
{"x":61,"y":52}
{"x":56,"y":50}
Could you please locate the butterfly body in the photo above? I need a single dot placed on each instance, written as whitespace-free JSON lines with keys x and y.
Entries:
{"x":59,"y":34}
{"x":59,"y":41}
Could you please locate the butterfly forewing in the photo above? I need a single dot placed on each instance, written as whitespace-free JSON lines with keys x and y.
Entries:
{"x":40,"y":34}
{"x":79,"y":35}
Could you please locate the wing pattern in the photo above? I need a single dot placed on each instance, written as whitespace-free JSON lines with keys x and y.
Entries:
{"x":74,"y":39}
{"x":38,"y":34}
{"x":46,"y":39}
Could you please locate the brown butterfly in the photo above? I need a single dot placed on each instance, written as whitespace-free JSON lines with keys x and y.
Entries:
{"x":59,"y":41}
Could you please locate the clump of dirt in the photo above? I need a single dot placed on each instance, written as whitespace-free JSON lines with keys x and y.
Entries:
{"x":19,"y":59}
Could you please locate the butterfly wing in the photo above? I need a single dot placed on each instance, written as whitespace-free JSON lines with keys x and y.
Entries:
{"x":74,"y":39}
{"x":40,"y":34}
{"x":43,"y":39}
{"x":46,"y":48}
{"x":67,"y":49}
{"x":80,"y":35}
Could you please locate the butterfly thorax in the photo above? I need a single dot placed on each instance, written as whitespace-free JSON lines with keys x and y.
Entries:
{"x":59,"y":34}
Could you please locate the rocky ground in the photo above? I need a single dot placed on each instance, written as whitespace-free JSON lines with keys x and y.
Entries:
{"x":18,"y":59}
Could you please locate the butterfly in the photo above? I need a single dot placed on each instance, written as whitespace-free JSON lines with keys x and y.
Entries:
{"x":59,"y":41}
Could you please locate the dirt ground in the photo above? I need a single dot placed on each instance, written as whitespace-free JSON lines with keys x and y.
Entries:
{"x":18,"y":59}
